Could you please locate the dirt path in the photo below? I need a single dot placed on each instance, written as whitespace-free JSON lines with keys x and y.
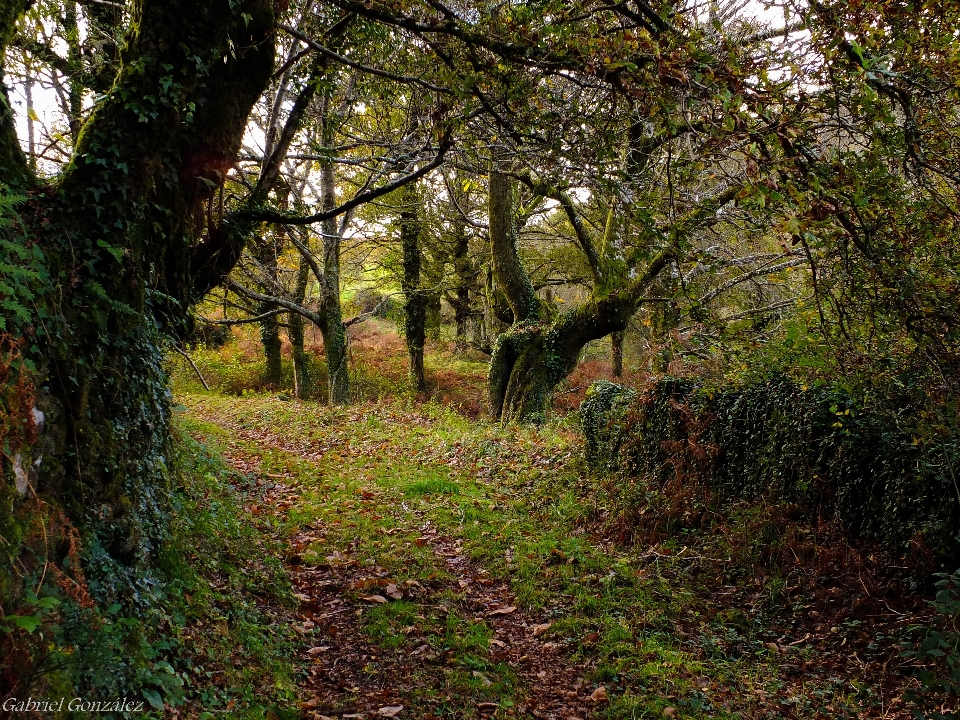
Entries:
{"x":351,"y":676}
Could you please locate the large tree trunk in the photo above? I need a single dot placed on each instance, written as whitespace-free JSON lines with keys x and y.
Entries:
{"x":125,"y":263}
{"x":415,"y":300}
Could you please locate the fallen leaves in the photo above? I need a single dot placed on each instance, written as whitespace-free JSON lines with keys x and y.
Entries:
{"x":499,"y":612}
{"x":599,"y":695}
{"x":390,"y":711}
{"x":539,"y":630}
{"x":379,"y":599}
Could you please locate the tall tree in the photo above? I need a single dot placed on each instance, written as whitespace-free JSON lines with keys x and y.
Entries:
{"x":415,"y":299}
{"x":115,"y":234}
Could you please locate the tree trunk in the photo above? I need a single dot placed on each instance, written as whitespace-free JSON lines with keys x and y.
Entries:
{"x":301,"y":368}
{"x":415,"y":300}
{"x":534,"y":355}
{"x":465,"y":278}
{"x":616,"y":347}
{"x":270,"y":326}
{"x":333,"y":331}
{"x":125,"y":263}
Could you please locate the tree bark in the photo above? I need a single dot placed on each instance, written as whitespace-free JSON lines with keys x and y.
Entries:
{"x":415,"y":300}
{"x":535,"y":354}
{"x":616,"y":349}
{"x":270,"y":325}
{"x":301,"y":368}
{"x":122,"y":253}
{"x":332,"y":328}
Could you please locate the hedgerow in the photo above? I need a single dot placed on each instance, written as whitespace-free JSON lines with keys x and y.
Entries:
{"x":881,"y":468}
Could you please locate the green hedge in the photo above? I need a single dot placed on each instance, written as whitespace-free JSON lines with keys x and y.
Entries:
{"x":874,"y":470}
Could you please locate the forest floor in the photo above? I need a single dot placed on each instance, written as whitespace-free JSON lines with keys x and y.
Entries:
{"x":445,"y":567}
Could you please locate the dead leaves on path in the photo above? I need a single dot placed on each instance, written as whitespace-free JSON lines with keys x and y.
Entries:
{"x":348,"y":675}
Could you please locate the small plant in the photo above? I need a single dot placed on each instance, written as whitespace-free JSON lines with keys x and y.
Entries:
{"x":939,"y":646}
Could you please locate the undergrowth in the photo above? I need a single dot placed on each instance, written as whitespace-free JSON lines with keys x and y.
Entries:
{"x":216,"y":573}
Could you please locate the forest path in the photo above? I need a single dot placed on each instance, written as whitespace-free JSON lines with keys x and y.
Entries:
{"x":448,"y":567}
{"x":399,"y":618}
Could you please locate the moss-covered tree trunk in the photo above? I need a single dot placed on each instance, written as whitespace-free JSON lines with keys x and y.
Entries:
{"x":332,"y":327}
{"x":127,"y":241}
{"x":270,"y":325}
{"x":537,"y":352}
{"x":415,"y":299}
{"x":616,"y":351}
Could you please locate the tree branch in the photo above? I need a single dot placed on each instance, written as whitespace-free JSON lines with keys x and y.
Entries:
{"x":258,"y":214}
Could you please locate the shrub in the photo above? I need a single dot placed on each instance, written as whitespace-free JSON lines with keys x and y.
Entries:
{"x":866,"y":464}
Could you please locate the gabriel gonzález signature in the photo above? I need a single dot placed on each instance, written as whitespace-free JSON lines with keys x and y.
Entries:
{"x":12,"y":704}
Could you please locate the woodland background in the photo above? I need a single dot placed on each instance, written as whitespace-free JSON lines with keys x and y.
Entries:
{"x":235,"y":231}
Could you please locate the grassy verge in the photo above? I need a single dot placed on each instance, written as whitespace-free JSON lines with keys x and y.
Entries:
{"x":228,"y":597}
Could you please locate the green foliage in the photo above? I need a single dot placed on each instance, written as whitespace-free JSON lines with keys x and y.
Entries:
{"x":23,"y":272}
{"x":938,"y":647}
{"x":865,"y":462}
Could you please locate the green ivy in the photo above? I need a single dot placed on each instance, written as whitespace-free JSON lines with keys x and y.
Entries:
{"x":869,"y":464}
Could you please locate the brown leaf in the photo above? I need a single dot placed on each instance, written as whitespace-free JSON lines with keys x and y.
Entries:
{"x":591,"y":638}
{"x":312,"y":703}
{"x":669,"y":711}
{"x":502,"y":611}
{"x":393,"y":591}
{"x":390,"y":711}
{"x":599,"y":695}
{"x":379,"y":599}
{"x":539,"y":630}
{"x":314,"y":651}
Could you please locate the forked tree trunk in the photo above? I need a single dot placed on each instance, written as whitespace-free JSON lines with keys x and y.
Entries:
{"x":535,"y":354}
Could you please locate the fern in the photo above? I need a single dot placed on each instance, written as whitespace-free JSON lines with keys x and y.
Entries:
{"x":23,"y":272}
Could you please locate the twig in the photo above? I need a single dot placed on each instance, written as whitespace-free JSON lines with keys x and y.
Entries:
{"x":194,"y":366}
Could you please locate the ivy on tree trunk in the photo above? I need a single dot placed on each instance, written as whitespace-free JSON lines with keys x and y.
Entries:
{"x":126,"y":257}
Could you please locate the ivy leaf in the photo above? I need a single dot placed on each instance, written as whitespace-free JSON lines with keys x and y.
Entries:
{"x":27,"y":622}
{"x":153,"y":697}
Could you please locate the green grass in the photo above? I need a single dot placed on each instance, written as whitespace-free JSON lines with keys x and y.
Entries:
{"x":224,"y":573}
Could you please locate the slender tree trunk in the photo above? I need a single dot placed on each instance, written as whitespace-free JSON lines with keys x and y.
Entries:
{"x":464,"y":278}
{"x":31,"y":133}
{"x":270,"y":326}
{"x":301,"y":368}
{"x":333,"y":331}
{"x":616,"y":343}
{"x":415,"y":300}
{"x":75,"y":84}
